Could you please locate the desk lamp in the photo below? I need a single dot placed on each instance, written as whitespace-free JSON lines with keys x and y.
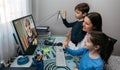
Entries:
{"x":58,"y":13}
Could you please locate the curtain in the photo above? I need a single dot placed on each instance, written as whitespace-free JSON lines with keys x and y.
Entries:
{"x":10,"y":10}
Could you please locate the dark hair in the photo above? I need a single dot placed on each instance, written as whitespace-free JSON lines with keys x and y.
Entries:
{"x":96,"y":20}
{"x":101,"y":39}
{"x":83,"y":7}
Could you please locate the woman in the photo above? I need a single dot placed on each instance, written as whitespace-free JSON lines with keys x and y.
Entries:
{"x":92,"y":22}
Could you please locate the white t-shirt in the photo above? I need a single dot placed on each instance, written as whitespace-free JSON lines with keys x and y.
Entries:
{"x":80,"y":44}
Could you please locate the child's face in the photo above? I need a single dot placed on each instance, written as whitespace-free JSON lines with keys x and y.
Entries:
{"x":78,"y":14}
{"x":87,"y":25}
{"x":27,"y":23}
{"x":88,"y":44}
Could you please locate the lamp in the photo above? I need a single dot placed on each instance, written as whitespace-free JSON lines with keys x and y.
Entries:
{"x":58,"y":13}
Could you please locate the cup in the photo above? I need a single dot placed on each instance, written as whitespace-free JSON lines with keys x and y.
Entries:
{"x":39,"y":64}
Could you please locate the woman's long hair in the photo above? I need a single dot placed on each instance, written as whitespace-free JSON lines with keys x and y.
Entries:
{"x":96,"y":20}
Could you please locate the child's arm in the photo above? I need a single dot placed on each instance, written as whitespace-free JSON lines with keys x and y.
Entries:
{"x":65,"y":22}
{"x":72,"y":52}
{"x":75,"y":52}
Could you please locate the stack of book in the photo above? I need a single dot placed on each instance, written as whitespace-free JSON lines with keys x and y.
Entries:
{"x":43,"y":31}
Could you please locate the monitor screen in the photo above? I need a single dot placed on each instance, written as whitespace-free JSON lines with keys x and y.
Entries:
{"x":26,"y":31}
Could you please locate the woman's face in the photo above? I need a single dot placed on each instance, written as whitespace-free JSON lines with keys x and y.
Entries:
{"x":87,"y":25}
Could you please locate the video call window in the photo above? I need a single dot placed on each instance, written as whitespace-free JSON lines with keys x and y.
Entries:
{"x":25,"y":29}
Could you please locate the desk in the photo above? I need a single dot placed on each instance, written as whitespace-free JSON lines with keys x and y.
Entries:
{"x":49,"y":60}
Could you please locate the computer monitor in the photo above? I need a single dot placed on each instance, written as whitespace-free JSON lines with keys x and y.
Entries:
{"x":26,"y":32}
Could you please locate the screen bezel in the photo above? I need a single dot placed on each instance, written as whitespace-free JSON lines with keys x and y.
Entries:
{"x":18,"y":33}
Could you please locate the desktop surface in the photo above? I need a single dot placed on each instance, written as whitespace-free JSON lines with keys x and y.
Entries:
{"x":49,"y":52}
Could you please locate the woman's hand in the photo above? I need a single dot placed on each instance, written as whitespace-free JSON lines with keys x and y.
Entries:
{"x":69,"y":32}
{"x":65,"y":44}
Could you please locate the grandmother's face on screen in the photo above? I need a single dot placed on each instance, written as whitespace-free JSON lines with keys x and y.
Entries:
{"x":87,"y":25}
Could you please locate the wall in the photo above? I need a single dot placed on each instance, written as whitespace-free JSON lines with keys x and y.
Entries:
{"x":44,"y":14}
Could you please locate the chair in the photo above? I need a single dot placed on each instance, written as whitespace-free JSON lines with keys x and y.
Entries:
{"x":112,"y":41}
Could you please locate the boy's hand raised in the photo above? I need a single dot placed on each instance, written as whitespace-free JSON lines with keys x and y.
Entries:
{"x":64,"y":14}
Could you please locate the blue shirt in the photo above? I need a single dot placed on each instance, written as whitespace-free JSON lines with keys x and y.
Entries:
{"x":87,"y":63}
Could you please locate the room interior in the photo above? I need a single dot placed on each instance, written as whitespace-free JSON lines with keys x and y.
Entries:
{"x":46,"y":13}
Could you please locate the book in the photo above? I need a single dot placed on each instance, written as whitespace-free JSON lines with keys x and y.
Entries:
{"x":43,"y":31}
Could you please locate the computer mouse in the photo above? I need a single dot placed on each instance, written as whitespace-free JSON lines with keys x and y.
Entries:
{"x":59,"y":44}
{"x":46,"y":42}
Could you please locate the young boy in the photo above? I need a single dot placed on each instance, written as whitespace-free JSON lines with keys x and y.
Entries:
{"x":77,"y":34}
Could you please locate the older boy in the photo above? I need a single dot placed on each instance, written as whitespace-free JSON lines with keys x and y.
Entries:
{"x":77,"y":34}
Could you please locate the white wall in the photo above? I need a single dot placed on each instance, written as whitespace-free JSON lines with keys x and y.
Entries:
{"x":109,"y":9}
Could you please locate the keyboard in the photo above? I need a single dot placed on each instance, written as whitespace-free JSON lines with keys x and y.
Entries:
{"x":60,"y":57}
